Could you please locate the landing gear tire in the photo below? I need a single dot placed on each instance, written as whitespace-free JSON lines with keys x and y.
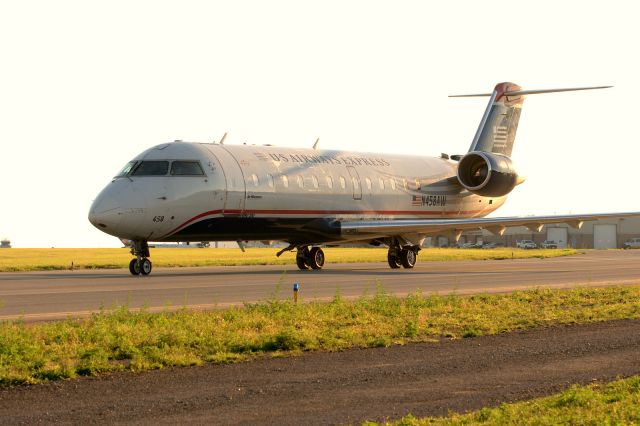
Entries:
{"x":145,"y":266}
{"x":134,"y":267}
{"x":302,"y":259}
{"x":408,"y":257}
{"x":142,"y":266}
{"x":394,"y":261}
{"x":316,"y":258}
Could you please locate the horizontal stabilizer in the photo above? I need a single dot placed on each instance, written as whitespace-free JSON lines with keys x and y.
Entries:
{"x":532,"y":92}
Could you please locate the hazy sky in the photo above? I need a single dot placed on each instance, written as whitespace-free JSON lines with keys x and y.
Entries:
{"x":85,"y":86}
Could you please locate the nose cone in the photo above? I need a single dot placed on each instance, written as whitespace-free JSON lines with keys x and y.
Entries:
{"x":105,"y":214}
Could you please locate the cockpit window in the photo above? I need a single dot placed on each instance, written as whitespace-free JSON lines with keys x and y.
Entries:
{"x":151,"y":168}
{"x":126,"y":169}
{"x":186,"y":168}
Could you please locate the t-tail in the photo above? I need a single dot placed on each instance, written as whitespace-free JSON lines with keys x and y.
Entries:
{"x":487,"y":169}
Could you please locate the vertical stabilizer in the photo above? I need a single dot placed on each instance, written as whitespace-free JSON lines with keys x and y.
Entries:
{"x":497,"y":130}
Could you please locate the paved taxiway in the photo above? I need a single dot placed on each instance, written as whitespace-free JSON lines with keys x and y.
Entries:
{"x":36,"y":296}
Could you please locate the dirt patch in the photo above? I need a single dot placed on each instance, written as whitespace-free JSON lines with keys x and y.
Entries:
{"x":350,"y":386}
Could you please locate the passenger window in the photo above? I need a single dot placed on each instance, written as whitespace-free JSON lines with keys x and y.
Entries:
{"x":404,"y":183}
{"x":270,"y":180}
{"x":186,"y":168}
{"x":314,"y":179}
{"x":418,"y":184}
{"x":343,"y":182}
{"x":256,"y":182}
{"x":151,"y":168}
{"x":285,"y":181}
{"x":329,"y":182}
{"x":392,"y":181}
{"x":300,"y":181}
{"x":381,"y":183}
{"x":368,"y":181}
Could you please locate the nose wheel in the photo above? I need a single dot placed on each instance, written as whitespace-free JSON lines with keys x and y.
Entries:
{"x":140,"y":266}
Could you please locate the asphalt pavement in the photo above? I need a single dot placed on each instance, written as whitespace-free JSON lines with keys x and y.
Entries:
{"x":51,"y":295}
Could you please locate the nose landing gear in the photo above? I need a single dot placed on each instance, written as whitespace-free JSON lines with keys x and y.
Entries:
{"x":141,"y":264}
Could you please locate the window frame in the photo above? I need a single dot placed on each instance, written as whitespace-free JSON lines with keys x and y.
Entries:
{"x":141,"y":162}
{"x":197,"y":162}
{"x":329,"y":180}
{"x":133,"y":163}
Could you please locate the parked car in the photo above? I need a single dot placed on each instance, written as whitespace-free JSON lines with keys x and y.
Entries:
{"x":526,"y":244}
{"x":469,"y":245}
{"x":549,"y":244}
{"x":633,"y":243}
{"x":490,"y":245}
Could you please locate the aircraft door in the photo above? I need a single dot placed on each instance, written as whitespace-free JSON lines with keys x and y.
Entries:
{"x":235,"y":190}
{"x":355,"y":183}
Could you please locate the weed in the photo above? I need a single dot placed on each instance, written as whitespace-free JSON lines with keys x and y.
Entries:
{"x":617,"y":402}
{"x":120,"y":339}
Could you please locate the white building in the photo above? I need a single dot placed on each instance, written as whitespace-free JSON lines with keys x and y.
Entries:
{"x":600,"y":234}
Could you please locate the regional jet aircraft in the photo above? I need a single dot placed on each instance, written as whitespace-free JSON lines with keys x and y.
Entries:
{"x":308,"y":198}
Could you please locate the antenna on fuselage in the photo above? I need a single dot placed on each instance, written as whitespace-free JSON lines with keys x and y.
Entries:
{"x":223,"y":138}
{"x":316,"y":143}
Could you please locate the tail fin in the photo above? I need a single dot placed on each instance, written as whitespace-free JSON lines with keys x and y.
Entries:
{"x":497,"y":130}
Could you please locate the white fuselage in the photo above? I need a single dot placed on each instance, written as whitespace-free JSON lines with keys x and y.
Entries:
{"x":274,"y":193}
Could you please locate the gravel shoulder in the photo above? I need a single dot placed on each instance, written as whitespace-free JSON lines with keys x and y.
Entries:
{"x":349,"y":386}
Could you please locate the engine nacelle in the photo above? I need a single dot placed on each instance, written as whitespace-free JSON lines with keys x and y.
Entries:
{"x":487,"y":174}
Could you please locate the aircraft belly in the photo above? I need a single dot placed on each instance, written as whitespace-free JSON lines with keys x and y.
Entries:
{"x":227,"y":228}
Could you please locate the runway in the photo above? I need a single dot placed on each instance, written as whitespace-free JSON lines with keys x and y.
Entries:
{"x":41,"y":296}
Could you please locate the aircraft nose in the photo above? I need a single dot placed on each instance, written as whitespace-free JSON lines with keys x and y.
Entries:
{"x":105,"y":213}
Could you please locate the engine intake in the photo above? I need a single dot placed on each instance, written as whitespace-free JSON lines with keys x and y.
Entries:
{"x":487,"y":174}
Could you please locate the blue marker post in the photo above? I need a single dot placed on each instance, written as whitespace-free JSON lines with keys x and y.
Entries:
{"x":295,"y":292}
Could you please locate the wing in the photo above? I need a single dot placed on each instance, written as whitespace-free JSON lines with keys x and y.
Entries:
{"x":497,"y":225}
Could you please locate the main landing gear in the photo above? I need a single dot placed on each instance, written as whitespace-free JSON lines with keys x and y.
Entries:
{"x":398,"y":255}
{"x":402,"y":256}
{"x":141,"y":264}
{"x":310,"y":258}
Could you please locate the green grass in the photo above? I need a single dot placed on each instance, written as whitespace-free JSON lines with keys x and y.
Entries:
{"x":616,"y":403}
{"x":122,"y":340}
{"x":13,"y":260}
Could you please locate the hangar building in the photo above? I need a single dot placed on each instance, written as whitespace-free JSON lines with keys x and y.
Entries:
{"x":600,"y":234}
